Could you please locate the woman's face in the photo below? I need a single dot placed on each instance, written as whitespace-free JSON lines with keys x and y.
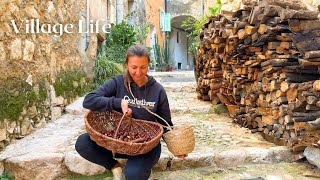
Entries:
{"x":138,"y":67}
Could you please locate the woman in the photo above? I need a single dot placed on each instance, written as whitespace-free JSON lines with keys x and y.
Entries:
{"x":116,"y":95}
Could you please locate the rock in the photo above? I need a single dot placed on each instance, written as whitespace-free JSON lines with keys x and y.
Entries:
{"x":51,"y":9}
{"x":13,"y":8}
{"x":16,"y":50}
{"x":29,"y":80}
{"x":75,"y":84}
{"x":93,"y":44}
{"x":1,"y":166}
{"x":26,"y":127}
{"x":58,"y":101}
{"x":60,"y":15}
{"x":41,"y":123}
{"x":32,"y":12}
{"x":56,"y":112}
{"x":194,"y":160}
{"x":231,"y":158}
{"x":76,"y":107}
{"x":11,"y":126}
{"x":281,"y":154}
{"x":32,"y":111}
{"x":313,"y":155}
{"x":2,"y":52}
{"x":36,"y":166}
{"x":272,"y":177}
{"x":3,"y":133}
{"x":2,"y":36}
{"x":75,"y":163}
{"x":173,"y":176}
{"x":28,"y":51}
{"x":163,"y":162}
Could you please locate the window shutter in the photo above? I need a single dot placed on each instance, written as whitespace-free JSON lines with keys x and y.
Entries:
{"x":167,"y":23}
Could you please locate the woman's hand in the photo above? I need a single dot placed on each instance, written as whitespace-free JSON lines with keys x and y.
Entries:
{"x":182,"y":156}
{"x":125,"y":108}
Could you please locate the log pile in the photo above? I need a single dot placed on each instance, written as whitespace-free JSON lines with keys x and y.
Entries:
{"x":263,"y":62}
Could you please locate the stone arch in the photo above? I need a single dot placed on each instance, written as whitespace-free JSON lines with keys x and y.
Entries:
{"x":179,"y":43}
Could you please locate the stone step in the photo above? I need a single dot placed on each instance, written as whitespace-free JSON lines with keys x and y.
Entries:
{"x":49,"y":153}
{"x":173,"y":74}
{"x":274,"y":171}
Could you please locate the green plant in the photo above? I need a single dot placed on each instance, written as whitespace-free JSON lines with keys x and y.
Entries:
{"x":16,"y":94}
{"x":6,"y":176}
{"x":112,"y":54}
{"x":216,"y":110}
{"x":215,"y":9}
{"x":71,"y":84}
{"x":120,"y":38}
{"x":195,"y":25}
{"x":104,"y":70}
{"x":141,"y":32}
{"x":160,"y":55}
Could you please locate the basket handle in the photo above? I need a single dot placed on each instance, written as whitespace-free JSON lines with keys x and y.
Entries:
{"x":169,"y":127}
{"x":116,"y":133}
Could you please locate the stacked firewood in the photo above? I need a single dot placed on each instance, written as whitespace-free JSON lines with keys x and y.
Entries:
{"x":263,"y":62}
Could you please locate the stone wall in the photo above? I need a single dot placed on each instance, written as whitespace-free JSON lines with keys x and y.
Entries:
{"x":40,"y":72}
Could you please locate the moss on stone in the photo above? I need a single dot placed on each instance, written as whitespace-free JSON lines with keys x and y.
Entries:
{"x":43,"y":92}
{"x":71,"y":85}
{"x":15,"y":95}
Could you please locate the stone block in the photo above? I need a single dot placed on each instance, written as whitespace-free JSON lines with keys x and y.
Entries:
{"x":163,"y":162}
{"x":232,"y":158}
{"x":36,"y":166}
{"x":56,"y":112}
{"x":75,"y":163}
{"x":16,"y":49}
{"x":31,"y":12}
{"x":313,"y":155}
{"x":28,"y":51}
{"x":3,"y":133}
{"x":26,"y":127}
{"x":2,"y":52}
{"x":194,"y":160}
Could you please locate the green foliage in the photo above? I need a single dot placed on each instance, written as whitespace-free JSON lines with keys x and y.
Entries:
{"x":216,"y":9}
{"x":120,"y":38}
{"x":195,"y":25}
{"x":6,"y":176}
{"x":160,"y":55}
{"x":71,"y":84}
{"x":104,"y":70}
{"x":16,"y":94}
{"x":141,"y":32}
{"x":218,"y":109}
{"x":112,"y":54}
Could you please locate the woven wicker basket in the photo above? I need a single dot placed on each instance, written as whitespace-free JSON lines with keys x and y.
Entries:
{"x":98,"y":123}
{"x":180,"y":140}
